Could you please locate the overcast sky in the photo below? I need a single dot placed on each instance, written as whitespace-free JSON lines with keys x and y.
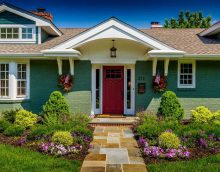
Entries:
{"x":139,"y":13}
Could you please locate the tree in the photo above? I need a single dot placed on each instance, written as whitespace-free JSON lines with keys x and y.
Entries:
{"x":188,"y":20}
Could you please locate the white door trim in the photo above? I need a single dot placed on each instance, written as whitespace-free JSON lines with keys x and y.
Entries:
{"x":99,"y":110}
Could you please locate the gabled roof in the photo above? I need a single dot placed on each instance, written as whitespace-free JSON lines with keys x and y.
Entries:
{"x":114,"y":28}
{"x":214,"y":29}
{"x":40,"y":21}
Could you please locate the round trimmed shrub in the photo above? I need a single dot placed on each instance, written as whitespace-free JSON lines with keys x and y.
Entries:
{"x":56,"y":105}
{"x":201,"y":114}
{"x":25,"y":118}
{"x":14,"y":130}
{"x":62,"y":137}
{"x":170,"y":106}
{"x":169,"y":140}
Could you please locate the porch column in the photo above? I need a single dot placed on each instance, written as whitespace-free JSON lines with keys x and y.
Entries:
{"x":166,"y":66}
{"x":71,"y":66}
{"x":59,"y":63}
{"x":154,"y":67}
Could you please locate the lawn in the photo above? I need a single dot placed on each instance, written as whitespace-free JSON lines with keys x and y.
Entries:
{"x":208,"y":164}
{"x":20,"y":159}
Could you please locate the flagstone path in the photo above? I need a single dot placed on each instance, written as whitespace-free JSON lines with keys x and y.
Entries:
{"x":114,"y":149}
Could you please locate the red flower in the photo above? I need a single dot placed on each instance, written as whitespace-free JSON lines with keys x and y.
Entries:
{"x":65,"y":81}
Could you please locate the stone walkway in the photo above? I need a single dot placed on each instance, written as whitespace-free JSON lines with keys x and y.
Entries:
{"x":114,"y":149}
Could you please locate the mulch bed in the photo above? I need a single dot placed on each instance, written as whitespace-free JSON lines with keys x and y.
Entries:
{"x":33,"y":145}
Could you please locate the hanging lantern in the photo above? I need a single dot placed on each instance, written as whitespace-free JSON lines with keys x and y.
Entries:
{"x":113,"y":51}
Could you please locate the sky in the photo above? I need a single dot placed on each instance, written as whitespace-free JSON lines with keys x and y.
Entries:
{"x":138,"y":13}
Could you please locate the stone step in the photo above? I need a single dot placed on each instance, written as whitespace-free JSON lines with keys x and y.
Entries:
{"x":125,"y":121}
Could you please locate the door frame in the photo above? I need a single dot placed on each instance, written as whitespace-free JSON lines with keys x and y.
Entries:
{"x":94,"y":109}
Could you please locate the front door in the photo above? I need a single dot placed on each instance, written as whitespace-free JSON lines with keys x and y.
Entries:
{"x":113,"y":89}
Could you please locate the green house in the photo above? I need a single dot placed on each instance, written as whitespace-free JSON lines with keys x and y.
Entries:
{"x":106,"y":69}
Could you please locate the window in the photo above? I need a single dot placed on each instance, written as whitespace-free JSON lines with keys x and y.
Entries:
{"x":21,"y":80}
{"x":9,"y":33}
{"x":4,"y":80}
{"x":128,"y":88}
{"x":97,"y":88}
{"x":113,"y":73}
{"x":27,"y":33}
{"x":186,"y":75}
{"x":14,"y":81}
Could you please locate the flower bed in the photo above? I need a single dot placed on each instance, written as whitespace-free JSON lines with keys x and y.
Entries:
{"x":56,"y":132}
{"x":196,"y":140}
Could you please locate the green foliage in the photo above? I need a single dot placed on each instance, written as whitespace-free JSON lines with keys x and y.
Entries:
{"x":24,"y":160}
{"x":9,"y":115}
{"x":170,"y":106}
{"x":82,"y":130}
{"x":56,"y":105}
{"x":62,"y":137}
{"x":14,"y":130}
{"x":79,"y":120}
{"x":169,"y":140}
{"x":146,"y":116}
{"x":216,"y":118}
{"x":4,"y":125}
{"x":25,"y":118}
{"x":188,"y":20}
{"x":201,"y":114}
{"x":39,"y":130}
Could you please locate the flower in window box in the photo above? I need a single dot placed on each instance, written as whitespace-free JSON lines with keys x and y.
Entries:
{"x":65,"y":82}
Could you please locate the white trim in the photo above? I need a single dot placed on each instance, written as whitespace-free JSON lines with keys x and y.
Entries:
{"x":94,"y":110}
{"x":71,"y":61}
{"x":13,"y":80}
{"x":60,"y":66}
{"x":39,"y":35}
{"x":165,"y":53}
{"x":19,"y":40}
{"x":166,"y":66}
{"x":154,"y":67}
{"x":40,"y":21}
{"x":193,"y":62}
{"x":215,"y":28}
{"x":115,"y":24}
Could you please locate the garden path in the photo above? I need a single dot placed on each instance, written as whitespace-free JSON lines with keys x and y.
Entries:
{"x":114,"y":149}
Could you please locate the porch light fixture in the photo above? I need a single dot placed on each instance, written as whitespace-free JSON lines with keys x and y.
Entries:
{"x":113,"y":51}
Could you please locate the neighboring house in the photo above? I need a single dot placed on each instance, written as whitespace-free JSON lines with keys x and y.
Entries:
{"x":34,"y":52}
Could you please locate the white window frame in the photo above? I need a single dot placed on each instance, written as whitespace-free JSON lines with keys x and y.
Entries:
{"x":19,"y":40}
{"x":13,"y":80}
{"x":6,"y":97}
{"x":193,"y":62}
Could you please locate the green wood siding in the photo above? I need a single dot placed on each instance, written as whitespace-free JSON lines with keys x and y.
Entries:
{"x":43,"y":81}
{"x":206,"y":93}
{"x":7,"y":17}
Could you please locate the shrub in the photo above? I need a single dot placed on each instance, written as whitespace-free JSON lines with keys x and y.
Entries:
{"x":149,"y":130}
{"x":56,"y":105}
{"x":169,"y":140}
{"x":14,"y":130}
{"x":79,"y":120}
{"x":25,"y":118}
{"x":4,"y":125}
{"x":146,"y":116}
{"x":201,"y":114}
{"x":9,"y":115}
{"x":82,"y":130}
{"x":216,"y":118}
{"x":62,"y":137}
{"x":170,"y":106}
{"x":39,"y":130}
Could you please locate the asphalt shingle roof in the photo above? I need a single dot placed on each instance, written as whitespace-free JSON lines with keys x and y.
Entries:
{"x":186,"y":40}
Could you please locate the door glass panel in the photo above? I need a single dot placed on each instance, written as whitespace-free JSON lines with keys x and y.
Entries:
{"x":97,"y":88}
{"x":128,"y":88}
{"x":113,"y":73}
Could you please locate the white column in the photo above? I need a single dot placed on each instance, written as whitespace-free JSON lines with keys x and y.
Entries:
{"x":59,"y":63}
{"x":154,"y":67}
{"x":12,"y":80}
{"x":166,"y":66}
{"x":71,"y":66}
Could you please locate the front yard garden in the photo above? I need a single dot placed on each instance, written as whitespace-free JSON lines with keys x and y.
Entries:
{"x":165,"y":138}
{"x":54,"y":132}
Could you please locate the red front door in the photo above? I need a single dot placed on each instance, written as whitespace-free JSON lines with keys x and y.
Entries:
{"x":113,"y":89}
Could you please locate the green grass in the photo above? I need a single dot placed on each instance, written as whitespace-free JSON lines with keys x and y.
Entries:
{"x":208,"y":164}
{"x":15,"y":159}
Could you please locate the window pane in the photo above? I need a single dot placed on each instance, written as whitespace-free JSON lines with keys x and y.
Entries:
{"x":4,"y":82}
{"x":128,"y":88}
{"x":21,"y":79}
{"x":97,"y":88}
{"x":186,"y":74}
